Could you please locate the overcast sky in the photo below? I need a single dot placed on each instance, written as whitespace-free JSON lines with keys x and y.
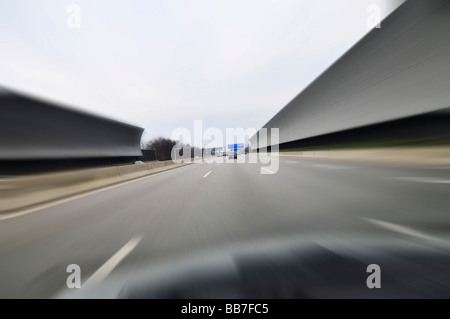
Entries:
{"x":161,"y":64}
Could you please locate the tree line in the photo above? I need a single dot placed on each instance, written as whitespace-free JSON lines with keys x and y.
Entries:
{"x":163,"y":147}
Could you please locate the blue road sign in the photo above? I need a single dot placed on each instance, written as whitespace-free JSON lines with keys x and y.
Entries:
{"x":232,"y":146}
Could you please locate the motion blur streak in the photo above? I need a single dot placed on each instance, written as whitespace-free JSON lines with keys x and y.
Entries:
{"x":396,"y":71}
{"x":298,"y":233}
{"x":308,"y":229}
{"x":32,"y":129}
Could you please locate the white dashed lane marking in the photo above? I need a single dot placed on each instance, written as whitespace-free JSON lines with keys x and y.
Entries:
{"x":108,"y":266}
{"x":422,"y":180}
{"x":206,"y":175}
{"x":400,"y":229}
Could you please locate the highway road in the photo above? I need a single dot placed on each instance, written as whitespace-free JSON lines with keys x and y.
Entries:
{"x":319,"y":221}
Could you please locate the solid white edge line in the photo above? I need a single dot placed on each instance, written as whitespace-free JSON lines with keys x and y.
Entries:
{"x":75,"y":197}
{"x":111,"y":263}
{"x":206,"y":175}
{"x":399,"y":229}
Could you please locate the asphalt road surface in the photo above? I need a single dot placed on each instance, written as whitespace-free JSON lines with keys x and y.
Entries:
{"x":308,"y":230}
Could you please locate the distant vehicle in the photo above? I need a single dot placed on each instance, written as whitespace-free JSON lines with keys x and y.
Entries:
{"x":232,"y":154}
{"x":221,"y":152}
{"x":139,"y":162}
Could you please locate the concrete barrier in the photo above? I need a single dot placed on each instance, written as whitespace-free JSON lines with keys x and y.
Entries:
{"x":153,"y":165}
{"x":22,"y":192}
{"x":412,"y":156}
{"x":127,"y":172}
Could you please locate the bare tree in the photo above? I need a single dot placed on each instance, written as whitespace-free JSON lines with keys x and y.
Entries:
{"x":163,"y":147}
